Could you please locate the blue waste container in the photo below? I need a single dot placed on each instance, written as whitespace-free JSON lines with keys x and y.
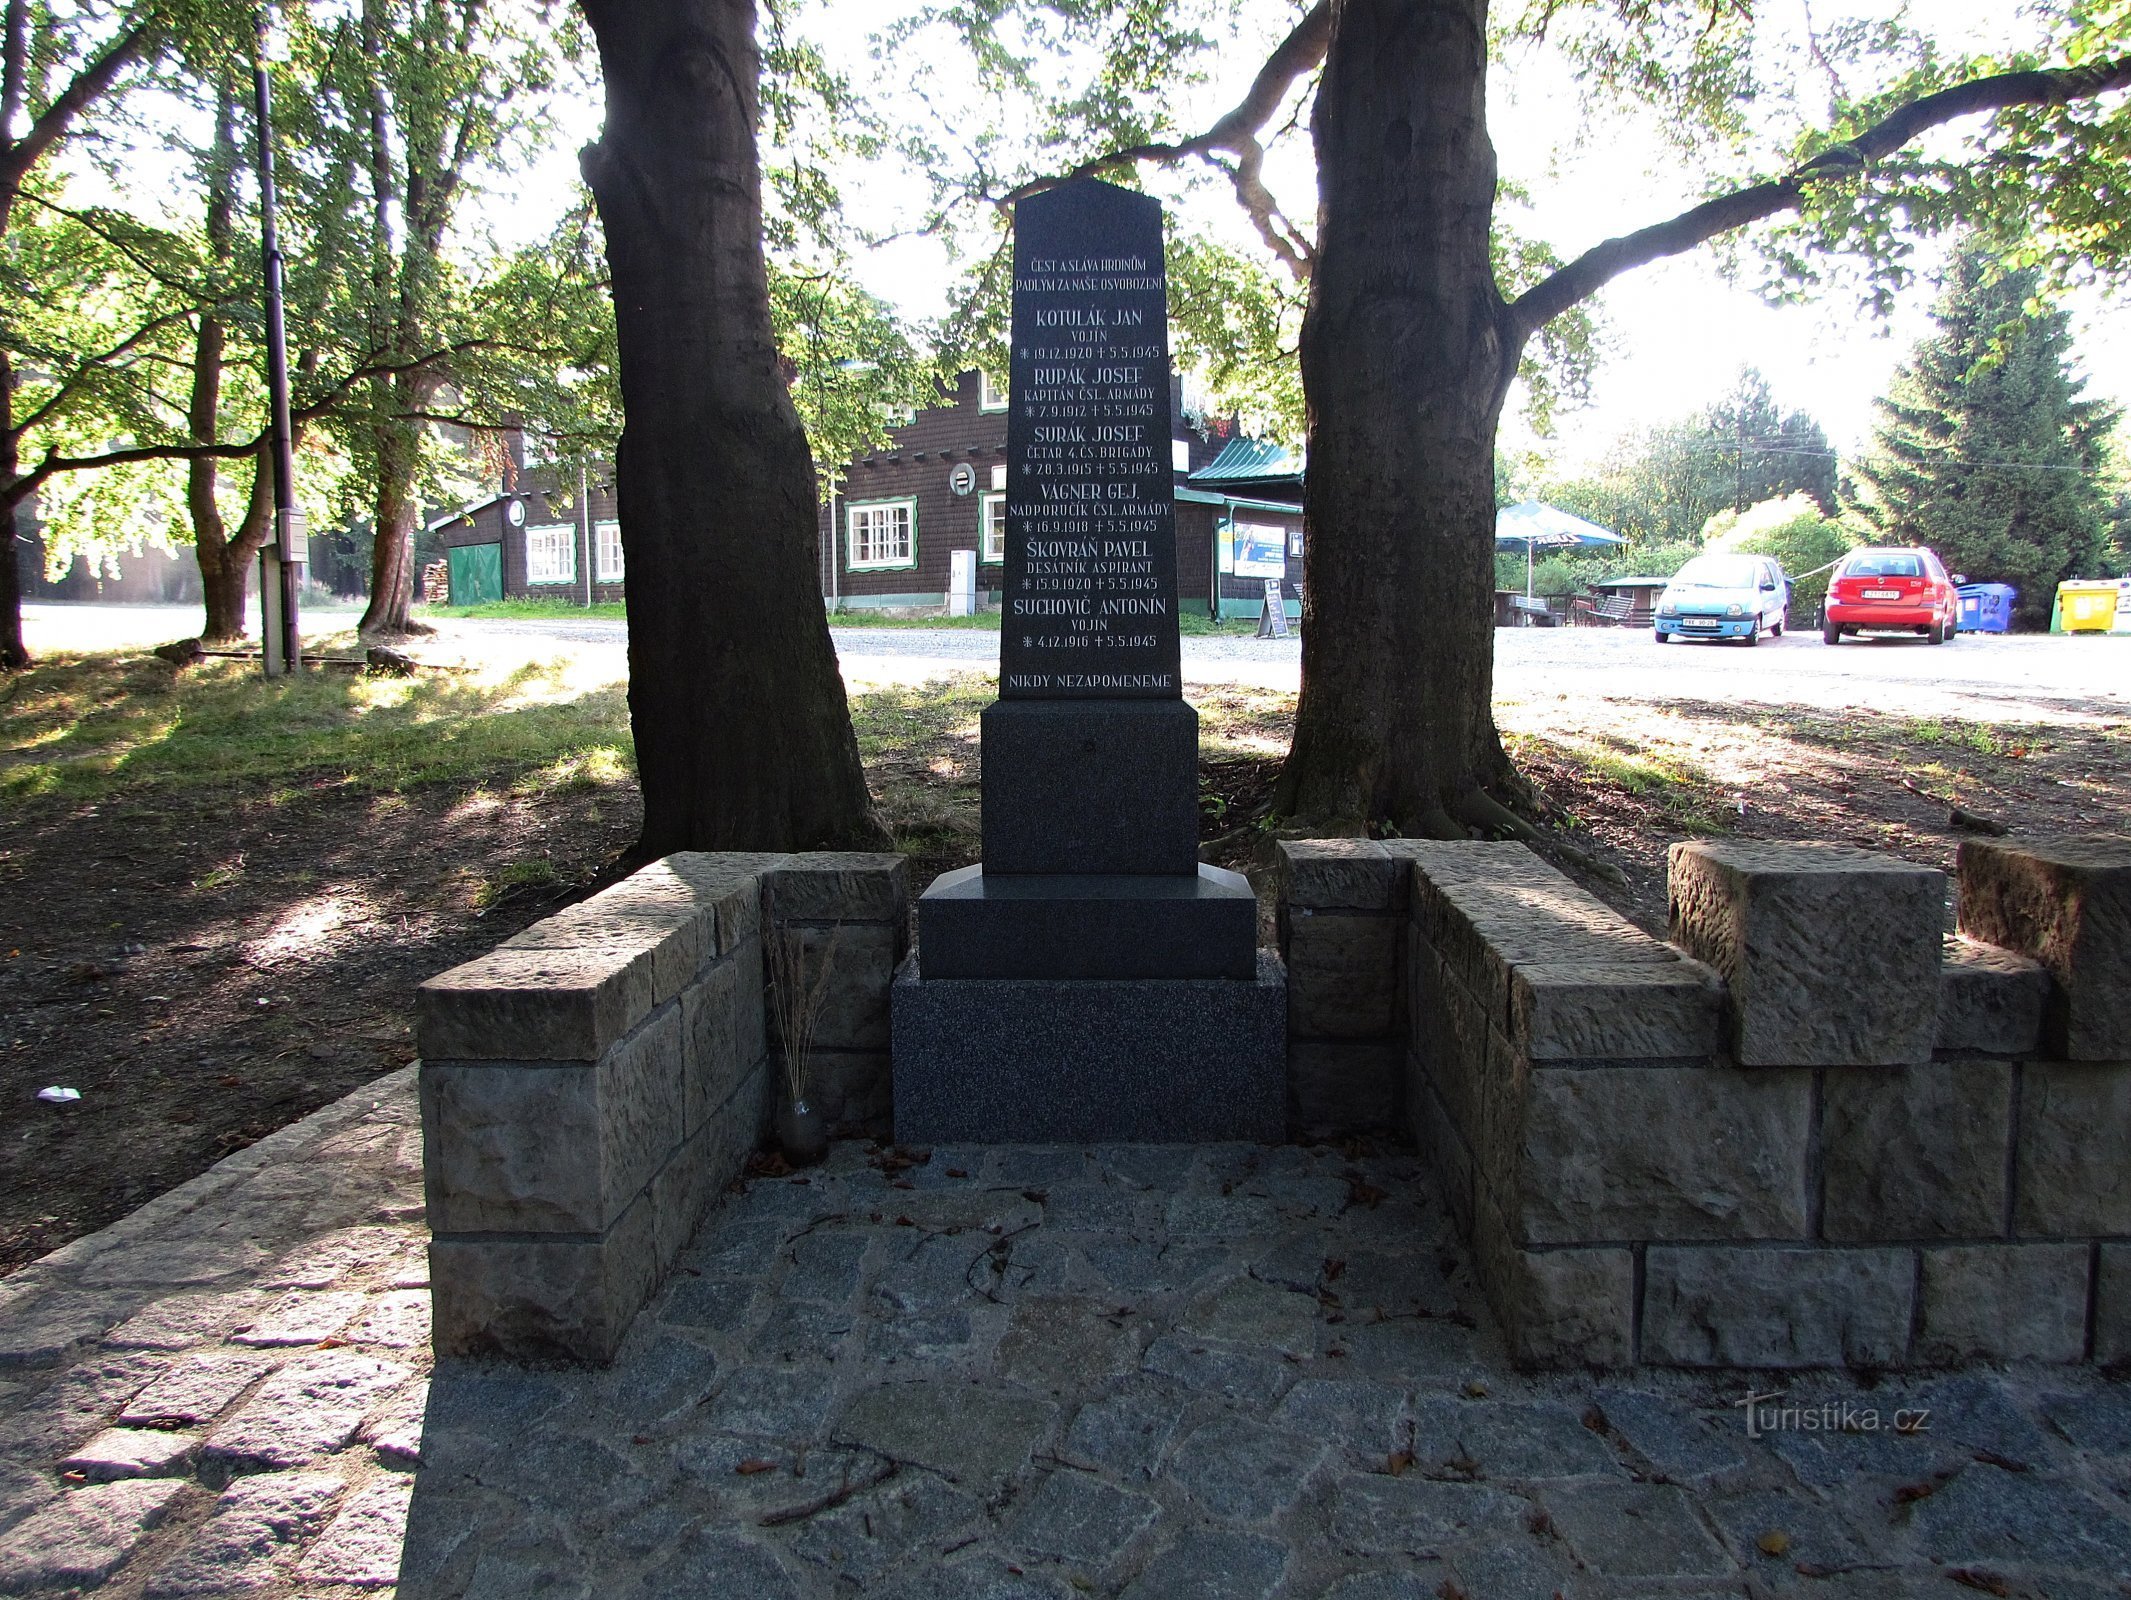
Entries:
{"x":1986,"y":607}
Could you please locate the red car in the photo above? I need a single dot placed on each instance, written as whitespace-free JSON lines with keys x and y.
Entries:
{"x":1898,"y":591}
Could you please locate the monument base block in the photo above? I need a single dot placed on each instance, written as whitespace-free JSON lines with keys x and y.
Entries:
{"x":1091,"y":786}
{"x":1134,"y":1060}
{"x":974,"y":924}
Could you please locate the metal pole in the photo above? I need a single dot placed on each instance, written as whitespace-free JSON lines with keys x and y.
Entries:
{"x":281,"y":560}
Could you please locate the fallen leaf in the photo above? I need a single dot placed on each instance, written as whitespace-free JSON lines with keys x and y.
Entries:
{"x":1475,"y":1390}
{"x":1977,"y":1578}
{"x":1775,"y":1542}
{"x":1399,"y":1462}
{"x":753,"y":1465}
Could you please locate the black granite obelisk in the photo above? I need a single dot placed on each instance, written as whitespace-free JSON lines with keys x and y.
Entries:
{"x":1090,"y":901}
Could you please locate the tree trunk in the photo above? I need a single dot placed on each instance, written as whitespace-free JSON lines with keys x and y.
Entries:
{"x":743,"y":734}
{"x":396,"y":510}
{"x":1407,"y":353}
{"x":14,"y":655}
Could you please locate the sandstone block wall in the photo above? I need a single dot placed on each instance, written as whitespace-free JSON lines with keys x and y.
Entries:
{"x":1836,"y":1138}
{"x":590,"y":1087}
{"x":852,"y":912}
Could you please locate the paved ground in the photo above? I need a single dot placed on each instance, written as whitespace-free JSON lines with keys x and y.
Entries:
{"x":2015,"y":678}
{"x":1221,"y":1373}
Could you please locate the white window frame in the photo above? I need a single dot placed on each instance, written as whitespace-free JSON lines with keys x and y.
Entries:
{"x":1179,"y":455}
{"x":852,"y":513}
{"x":1294,"y":544}
{"x":990,"y":395}
{"x":991,"y":505}
{"x":608,"y":560}
{"x":551,"y":553}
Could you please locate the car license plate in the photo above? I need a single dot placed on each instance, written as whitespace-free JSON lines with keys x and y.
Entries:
{"x":1882,"y":594}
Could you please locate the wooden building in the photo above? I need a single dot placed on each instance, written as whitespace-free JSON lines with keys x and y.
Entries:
{"x":895,"y":522}
{"x":532,"y":542}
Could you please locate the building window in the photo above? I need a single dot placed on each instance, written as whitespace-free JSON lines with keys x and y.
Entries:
{"x":991,"y":525}
{"x":991,"y":394}
{"x":607,"y":547}
{"x":1180,"y":454}
{"x":551,"y":553}
{"x":1294,"y":542}
{"x":883,"y":534}
{"x":999,"y":476}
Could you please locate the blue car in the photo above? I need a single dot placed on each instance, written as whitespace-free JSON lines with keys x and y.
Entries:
{"x":1724,"y":597}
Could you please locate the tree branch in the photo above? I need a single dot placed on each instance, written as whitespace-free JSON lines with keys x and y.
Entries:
{"x":87,"y":84}
{"x":1236,"y":134}
{"x":1591,"y":271}
{"x":67,"y":389}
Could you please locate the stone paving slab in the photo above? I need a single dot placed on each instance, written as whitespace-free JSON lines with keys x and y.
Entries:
{"x":1023,"y":1373}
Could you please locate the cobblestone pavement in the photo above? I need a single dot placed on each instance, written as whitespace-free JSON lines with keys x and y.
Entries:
{"x":1220,"y":1373}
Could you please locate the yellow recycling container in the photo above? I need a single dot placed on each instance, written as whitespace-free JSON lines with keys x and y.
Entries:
{"x":2087,"y":607}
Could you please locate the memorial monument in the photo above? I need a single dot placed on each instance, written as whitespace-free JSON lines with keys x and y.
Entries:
{"x":1089,"y":978}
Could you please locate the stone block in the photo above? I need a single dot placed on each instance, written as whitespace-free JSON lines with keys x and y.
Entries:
{"x":1594,"y":1011}
{"x":1522,"y":913}
{"x":1476,"y":1071}
{"x":530,"y":1299}
{"x":2071,"y":1174}
{"x":1442,"y":1146}
{"x":2112,"y":1306}
{"x":1631,"y":1153}
{"x":1132,"y":1060}
{"x":848,"y":968}
{"x":1089,"y":927}
{"x":729,"y":883}
{"x":534,"y":1005}
{"x":625,"y":921}
{"x":2003,"y":1302}
{"x":1090,"y":786}
{"x":1990,"y":1000}
{"x":1336,"y":1090}
{"x":1558,"y":1308}
{"x":838,"y":886}
{"x":723,"y":1032}
{"x":1915,"y":1152}
{"x":1715,"y":1306}
{"x":2066,"y":903}
{"x":79,"y":1539}
{"x":1831,"y":953}
{"x":1341,"y":875}
{"x":1343,"y":974}
{"x":534,"y":1148}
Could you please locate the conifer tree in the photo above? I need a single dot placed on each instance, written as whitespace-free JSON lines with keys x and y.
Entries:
{"x":1985,"y":450}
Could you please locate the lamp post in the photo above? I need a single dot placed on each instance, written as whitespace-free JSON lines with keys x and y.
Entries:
{"x":281,"y":559}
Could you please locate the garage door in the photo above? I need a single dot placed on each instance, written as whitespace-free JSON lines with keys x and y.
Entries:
{"x":476,"y":574}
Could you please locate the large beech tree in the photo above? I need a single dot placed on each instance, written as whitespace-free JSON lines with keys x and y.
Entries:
{"x":1418,"y":316}
{"x":743,"y":734}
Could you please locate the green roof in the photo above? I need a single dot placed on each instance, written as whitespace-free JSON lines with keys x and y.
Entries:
{"x":1242,"y":460}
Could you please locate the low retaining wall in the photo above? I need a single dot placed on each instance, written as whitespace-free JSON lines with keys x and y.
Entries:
{"x":590,"y":1086}
{"x":1809,"y":1132}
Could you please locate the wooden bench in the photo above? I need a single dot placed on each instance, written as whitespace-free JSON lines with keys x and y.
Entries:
{"x":1533,"y":609}
{"x":1610,"y":610}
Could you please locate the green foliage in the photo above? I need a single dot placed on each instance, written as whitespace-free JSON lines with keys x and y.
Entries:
{"x":1984,"y":450}
{"x":1664,"y":484}
{"x":1796,"y":532}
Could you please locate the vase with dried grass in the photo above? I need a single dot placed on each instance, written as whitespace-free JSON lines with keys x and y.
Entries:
{"x":798,"y":989}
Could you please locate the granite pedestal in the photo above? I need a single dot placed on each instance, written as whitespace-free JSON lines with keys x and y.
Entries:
{"x":1132,"y":1060}
{"x":980,"y":923}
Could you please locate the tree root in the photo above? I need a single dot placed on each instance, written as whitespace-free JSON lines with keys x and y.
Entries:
{"x":1483,"y":810}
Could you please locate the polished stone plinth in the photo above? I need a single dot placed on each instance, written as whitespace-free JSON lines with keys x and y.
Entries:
{"x":1144,"y":1060}
{"x":974,"y":923}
